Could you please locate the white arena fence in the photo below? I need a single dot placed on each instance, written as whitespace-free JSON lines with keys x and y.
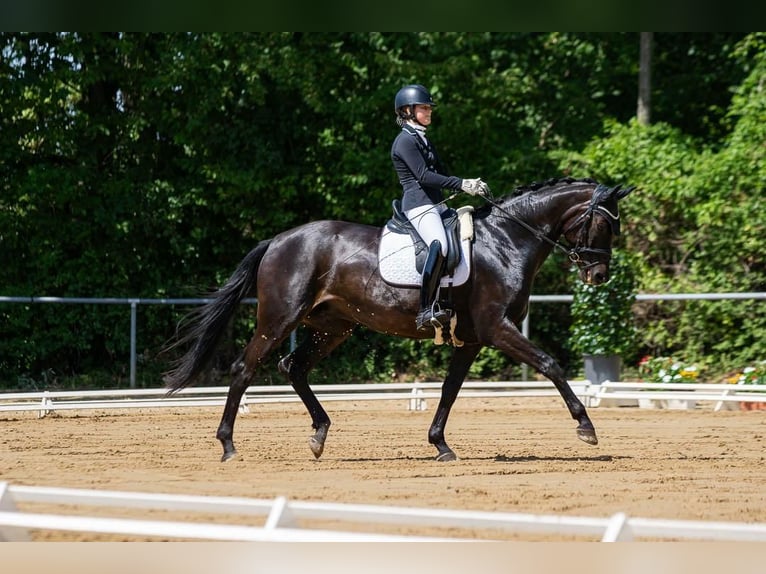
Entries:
{"x":414,"y":395}
{"x":674,"y":395}
{"x":282,"y":520}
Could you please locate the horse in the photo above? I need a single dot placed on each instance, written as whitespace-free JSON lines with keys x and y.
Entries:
{"x":324,"y":275}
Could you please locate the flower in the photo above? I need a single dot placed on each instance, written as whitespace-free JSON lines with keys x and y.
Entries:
{"x":754,"y":375}
{"x":666,"y":370}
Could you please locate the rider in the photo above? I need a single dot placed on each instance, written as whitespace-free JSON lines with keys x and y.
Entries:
{"x":422,"y":176}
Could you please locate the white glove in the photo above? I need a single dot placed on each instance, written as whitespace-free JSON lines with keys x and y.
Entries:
{"x":475,"y":187}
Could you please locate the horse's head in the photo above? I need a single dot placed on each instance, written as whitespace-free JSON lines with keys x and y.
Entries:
{"x":591,"y":232}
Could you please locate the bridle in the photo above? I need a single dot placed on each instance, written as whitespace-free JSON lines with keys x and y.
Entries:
{"x":584,"y":220}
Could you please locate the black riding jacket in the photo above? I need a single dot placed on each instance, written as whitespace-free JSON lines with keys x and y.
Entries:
{"x":420,"y":172}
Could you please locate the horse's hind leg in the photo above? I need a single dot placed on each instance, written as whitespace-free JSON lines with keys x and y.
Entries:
{"x":242,"y":372}
{"x":240,"y":381}
{"x":296,"y":367}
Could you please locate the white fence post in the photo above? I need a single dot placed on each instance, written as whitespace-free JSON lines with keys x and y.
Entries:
{"x":618,"y":529}
{"x":45,"y":405}
{"x":280,"y":515}
{"x":417,"y":402}
{"x":10,"y":533}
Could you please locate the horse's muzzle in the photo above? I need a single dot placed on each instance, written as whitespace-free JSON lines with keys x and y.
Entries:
{"x":595,"y":275}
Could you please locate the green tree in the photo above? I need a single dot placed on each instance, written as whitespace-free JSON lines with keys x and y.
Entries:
{"x":697,"y":222}
{"x":148,"y":164}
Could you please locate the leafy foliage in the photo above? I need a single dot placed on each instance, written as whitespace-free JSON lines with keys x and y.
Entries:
{"x":696,"y":223}
{"x":602,"y":315}
{"x":148,"y":164}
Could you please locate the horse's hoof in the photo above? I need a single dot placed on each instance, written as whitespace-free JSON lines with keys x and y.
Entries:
{"x":229,"y":455}
{"x":316,"y":446}
{"x":587,"y":435}
{"x":448,"y":456}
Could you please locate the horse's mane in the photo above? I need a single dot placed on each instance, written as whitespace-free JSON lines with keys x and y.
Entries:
{"x":535,"y":187}
{"x":552,"y":182}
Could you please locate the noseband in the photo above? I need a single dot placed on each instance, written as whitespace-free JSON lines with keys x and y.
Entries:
{"x":585,"y":221}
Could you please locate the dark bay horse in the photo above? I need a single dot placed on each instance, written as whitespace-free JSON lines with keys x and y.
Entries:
{"x":324,"y":275}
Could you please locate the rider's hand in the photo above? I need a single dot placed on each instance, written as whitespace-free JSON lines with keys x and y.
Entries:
{"x":475,"y":187}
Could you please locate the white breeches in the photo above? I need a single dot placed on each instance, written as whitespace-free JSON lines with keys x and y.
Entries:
{"x":428,"y":223}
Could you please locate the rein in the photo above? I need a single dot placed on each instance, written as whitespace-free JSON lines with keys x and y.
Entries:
{"x":573,"y":254}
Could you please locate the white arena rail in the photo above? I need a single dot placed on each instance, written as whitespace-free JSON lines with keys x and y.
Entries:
{"x":284,"y":520}
{"x":414,"y":394}
{"x":659,"y":395}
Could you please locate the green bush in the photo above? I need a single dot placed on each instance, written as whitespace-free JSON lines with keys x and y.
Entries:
{"x":602,"y":315}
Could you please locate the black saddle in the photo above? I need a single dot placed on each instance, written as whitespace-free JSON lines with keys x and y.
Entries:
{"x":400,"y":224}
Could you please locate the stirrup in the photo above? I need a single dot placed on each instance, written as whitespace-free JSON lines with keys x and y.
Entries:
{"x":435,"y":317}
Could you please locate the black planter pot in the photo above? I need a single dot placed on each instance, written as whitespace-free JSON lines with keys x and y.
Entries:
{"x":600,"y":368}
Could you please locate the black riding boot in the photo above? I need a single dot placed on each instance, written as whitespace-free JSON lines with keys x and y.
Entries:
{"x":431,"y":314}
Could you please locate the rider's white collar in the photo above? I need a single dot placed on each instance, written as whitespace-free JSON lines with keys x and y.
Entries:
{"x":420,"y":130}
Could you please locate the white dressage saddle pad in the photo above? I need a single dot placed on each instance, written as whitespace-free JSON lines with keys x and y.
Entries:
{"x":396,"y":256}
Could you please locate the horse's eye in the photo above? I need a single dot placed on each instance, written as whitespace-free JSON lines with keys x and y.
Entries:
{"x":602,"y":224}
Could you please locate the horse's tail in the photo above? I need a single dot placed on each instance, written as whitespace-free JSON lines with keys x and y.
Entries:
{"x":208,"y":323}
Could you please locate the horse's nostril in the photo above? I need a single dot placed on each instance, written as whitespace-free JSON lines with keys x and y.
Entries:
{"x":599,"y":277}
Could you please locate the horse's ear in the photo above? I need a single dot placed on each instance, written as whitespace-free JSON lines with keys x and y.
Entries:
{"x":620,"y":192}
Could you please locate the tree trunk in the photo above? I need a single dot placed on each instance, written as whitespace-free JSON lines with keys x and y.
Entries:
{"x":645,"y":79}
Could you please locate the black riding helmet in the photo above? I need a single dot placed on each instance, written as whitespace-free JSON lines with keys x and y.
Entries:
{"x":411,"y":95}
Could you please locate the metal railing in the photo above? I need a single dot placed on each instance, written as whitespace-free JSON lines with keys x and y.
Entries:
{"x":639,"y":297}
{"x":135,"y":302}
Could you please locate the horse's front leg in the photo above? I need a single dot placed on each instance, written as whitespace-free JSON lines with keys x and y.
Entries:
{"x":460,"y":363}
{"x":508,"y":339}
